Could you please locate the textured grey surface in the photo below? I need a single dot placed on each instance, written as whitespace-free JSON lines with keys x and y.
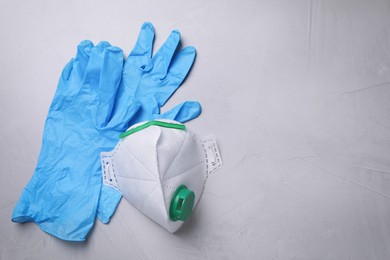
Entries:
{"x":297,"y":93}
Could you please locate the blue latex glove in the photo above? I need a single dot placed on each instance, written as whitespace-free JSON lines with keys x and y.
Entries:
{"x":63,"y":194}
{"x":149,"y":82}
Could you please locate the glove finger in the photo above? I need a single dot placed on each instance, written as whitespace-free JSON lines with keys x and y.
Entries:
{"x":138,"y":58}
{"x":64,"y":79}
{"x":178,"y":70}
{"x":142,"y":51}
{"x":80,"y":63}
{"x":92,"y":74}
{"x":62,"y":86}
{"x":160,"y":62}
{"x":110,"y":77}
{"x":182,"y":63}
{"x":83,"y":53}
{"x":183,"y":112}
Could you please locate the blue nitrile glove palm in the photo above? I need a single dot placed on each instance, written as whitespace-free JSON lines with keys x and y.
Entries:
{"x":150,"y":81}
{"x":63,"y":194}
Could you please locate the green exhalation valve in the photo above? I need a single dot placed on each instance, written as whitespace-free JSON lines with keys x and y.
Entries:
{"x":181,"y":204}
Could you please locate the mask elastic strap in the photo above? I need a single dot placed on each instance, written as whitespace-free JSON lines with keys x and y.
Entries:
{"x":151,"y":123}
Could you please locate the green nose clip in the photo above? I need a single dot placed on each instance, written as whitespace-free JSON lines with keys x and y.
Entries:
{"x":181,"y":204}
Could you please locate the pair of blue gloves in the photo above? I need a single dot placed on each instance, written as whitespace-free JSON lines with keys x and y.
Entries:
{"x":97,"y":98}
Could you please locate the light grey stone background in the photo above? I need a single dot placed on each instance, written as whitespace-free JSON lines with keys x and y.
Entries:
{"x":297,"y":93}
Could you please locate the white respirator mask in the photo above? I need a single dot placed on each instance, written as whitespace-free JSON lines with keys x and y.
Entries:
{"x":161,"y":168}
